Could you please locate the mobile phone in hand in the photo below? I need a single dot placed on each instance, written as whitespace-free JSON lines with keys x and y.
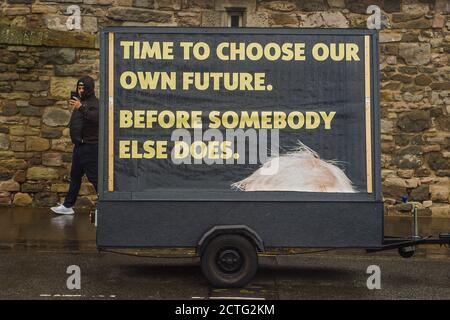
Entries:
{"x":73,"y":95}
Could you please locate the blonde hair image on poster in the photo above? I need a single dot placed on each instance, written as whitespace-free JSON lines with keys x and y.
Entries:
{"x":298,"y":170}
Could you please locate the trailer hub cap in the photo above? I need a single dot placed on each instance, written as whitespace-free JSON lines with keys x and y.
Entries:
{"x":229,"y":260}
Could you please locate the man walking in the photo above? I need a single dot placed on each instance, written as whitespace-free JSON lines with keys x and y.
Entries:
{"x":84,"y":134}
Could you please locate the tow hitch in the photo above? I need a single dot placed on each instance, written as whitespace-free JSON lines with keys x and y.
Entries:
{"x":407,"y":245}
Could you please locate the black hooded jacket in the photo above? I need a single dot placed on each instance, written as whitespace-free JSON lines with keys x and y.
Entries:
{"x":84,"y":120}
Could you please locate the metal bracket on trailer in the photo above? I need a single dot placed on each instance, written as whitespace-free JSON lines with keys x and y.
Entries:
{"x":398,"y":242}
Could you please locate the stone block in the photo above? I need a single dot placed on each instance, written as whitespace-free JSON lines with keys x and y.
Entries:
{"x":37,"y":144}
{"x":9,"y":185}
{"x":440,"y":192}
{"x":42,"y":173}
{"x":415,"y":53}
{"x":52,"y":159}
{"x":4,"y":141}
{"x":22,"y":199}
{"x":140,"y":15}
{"x":414,"y":121}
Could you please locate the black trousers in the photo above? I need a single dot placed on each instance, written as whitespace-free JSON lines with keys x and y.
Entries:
{"x":84,"y":161}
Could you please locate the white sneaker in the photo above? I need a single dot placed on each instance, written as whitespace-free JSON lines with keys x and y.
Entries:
{"x":61,"y":209}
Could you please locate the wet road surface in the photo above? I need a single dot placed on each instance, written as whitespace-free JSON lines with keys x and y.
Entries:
{"x":36,"y":248}
{"x":34,"y":274}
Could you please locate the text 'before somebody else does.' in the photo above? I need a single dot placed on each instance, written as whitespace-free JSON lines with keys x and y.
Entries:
{"x":214,"y":119}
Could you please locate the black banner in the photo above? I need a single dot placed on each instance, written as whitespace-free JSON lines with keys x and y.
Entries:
{"x":239,"y":112}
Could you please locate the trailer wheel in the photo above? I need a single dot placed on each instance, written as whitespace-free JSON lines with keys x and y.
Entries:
{"x":407,"y":252}
{"x":229,"y":260}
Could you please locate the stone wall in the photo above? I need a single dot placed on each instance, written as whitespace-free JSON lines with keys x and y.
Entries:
{"x":40,"y":60}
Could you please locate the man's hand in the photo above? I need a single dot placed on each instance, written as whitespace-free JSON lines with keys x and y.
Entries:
{"x":76,"y":103}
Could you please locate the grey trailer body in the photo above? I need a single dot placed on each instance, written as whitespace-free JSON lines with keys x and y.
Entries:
{"x":155,"y":216}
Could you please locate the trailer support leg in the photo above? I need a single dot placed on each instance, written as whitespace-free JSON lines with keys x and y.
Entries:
{"x":416,"y":224}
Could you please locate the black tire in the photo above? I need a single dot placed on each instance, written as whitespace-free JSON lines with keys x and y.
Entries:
{"x":407,"y":252}
{"x":229,"y":261}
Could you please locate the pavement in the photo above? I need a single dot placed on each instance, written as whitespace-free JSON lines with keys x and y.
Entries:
{"x":43,"y":275}
{"x":37,"y":248}
{"x":39,"y":228}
